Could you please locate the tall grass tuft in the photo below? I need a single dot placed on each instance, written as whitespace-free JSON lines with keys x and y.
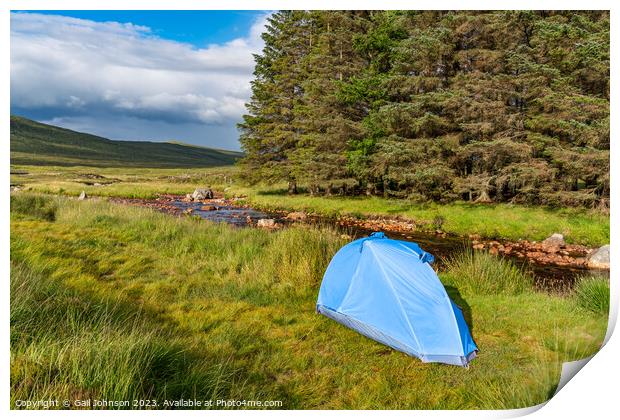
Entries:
{"x":592,"y":294}
{"x":485,"y":274}
{"x":34,"y":205}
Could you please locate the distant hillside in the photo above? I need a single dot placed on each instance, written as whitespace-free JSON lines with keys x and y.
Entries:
{"x":33,"y":143}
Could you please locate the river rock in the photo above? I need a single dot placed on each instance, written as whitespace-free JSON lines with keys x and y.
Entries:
{"x":202,"y":194}
{"x":208,"y":208}
{"x":555,"y":240}
{"x":599,"y":258}
{"x":199,"y":194}
{"x":83,"y":196}
{"x":297,"y":215}
{"x":266,"y":223}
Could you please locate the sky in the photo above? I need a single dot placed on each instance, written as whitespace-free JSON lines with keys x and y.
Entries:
{"x":136,"y":75}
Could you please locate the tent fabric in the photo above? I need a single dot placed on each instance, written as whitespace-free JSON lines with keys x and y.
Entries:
{"x":386,"y":290}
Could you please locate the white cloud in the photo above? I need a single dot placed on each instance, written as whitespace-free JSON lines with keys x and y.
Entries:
{"x":76,"y":67}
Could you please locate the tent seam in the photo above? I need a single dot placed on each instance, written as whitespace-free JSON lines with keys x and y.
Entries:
{"x":344,"y":298}
{"x":400,"y":305}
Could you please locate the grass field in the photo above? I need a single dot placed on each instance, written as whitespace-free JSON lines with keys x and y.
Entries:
{"x":506,"y":221}
{"x":120,"y":302}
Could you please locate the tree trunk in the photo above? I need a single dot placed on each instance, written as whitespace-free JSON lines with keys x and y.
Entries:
{"x":484,"y":198}
{"x":292,"y":187}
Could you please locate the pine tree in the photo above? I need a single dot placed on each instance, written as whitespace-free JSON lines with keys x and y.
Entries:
{"x":268,"y":133}
{"x":325,"y":122}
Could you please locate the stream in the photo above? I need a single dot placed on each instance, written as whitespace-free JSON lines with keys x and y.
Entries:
{"x":548,"y":277}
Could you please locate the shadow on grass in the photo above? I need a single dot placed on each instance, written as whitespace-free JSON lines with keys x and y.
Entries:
{"x":455,"y":295}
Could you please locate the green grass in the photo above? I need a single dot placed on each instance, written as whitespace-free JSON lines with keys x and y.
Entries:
{"x":110,"y":301}
{"x":511,"y":222}
{"x":34,"y":143}
{"x":506,"y":221}
{"x":69,"y":345}
{"x":119,"y":182}
{"x":33,"y":205}
{"x":593,"y":294}
{"x":481,"y":273}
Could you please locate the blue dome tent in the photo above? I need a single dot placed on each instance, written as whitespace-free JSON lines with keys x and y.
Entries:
{"x":386,"y":290}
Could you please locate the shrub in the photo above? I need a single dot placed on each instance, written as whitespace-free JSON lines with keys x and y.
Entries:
{"x":592,"y":294}
{"x":37,"y":206}
{"x":482,"y":273}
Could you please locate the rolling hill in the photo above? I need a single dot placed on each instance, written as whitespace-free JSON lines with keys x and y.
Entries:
{"x":34,"y":143}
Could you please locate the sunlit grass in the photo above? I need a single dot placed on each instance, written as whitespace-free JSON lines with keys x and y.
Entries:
{"x":484,"y":274}
{"x":69,"y":345}
{"x":506,"y":221}
{"x":163,"y":306}
{"x":593,"y":294}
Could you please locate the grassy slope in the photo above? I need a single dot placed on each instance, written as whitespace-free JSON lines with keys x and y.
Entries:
{"x":33,"y":143}
{"x":158,"y":307}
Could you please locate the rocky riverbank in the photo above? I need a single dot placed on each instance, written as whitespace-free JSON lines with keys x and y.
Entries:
{"x":552,"y":251}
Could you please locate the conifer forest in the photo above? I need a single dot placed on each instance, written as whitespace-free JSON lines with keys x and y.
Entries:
{"x":497,"y":106}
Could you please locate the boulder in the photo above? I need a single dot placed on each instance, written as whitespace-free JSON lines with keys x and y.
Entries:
{"x":266,"y":223}
{"x":599,"y":258}
{"x":297,"y":215}
{"x":555,"y":240}
{"x":83,"y":196}
{"x":199,"y":194}
{"x":202,"y":194}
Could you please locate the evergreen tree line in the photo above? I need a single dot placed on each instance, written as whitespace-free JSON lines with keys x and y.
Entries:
{"x":503,"y":106}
